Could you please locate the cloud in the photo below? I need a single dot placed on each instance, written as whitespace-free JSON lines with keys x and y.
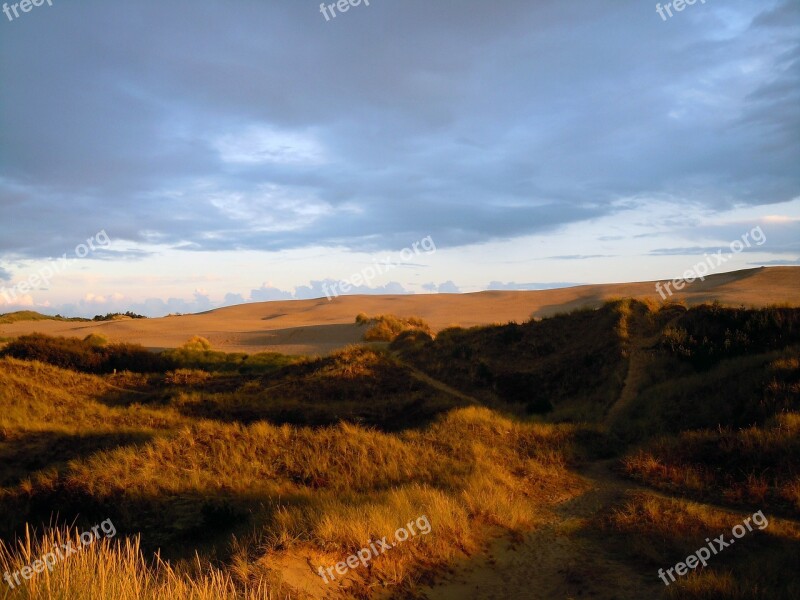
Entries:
{"x":321,"y":289}
{"x":91,"y":303}
{"x":19,"y":302}
{"x":254,"y":138}
{"x":233,"y":299}
{"x":5,"y":275}
{"x":777,"y":263}
{"x":579,"y":256}
{"x":448,"y":287}
{"x":268,"y":293}
{"x":690,"y":251}
{"x":115,"y":255}
{"x":513,"y":286}
{"x":773,"y":234}
{"x":262,"y":144}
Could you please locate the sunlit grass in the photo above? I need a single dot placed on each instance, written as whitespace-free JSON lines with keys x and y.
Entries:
{"x":112,"y":570}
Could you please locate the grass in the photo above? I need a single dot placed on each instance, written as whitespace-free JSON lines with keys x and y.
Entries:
{"x":247,"y":496}
{"x":573,"y":362}
{"x":109,"y":570}
{"x":386,"y":328}
{"x":737,"y":392}
{"x":359,"y":385}
{"x":94,"y":354}
{"x":754,"y":466}
{"x":30,"y":315}
{"x":656,"y":533}
{"x":90,"y":355}
{"x":235,"y":476}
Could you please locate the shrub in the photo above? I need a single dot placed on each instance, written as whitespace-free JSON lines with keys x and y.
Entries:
{"x":96,"y":340}
{"x":116,"y":316}
{"x":135,"y":358}
{"x":385,"y":328}
{"x":410,"y":339}
{"x":87,"y":355}
{"x":213,"y":361}
{"x":198,"y":344}
{"x":67,"y":353}
{"x":706,"y":334}
{"x":187,"y":377}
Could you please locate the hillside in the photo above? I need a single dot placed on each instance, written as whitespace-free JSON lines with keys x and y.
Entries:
{"x":321,"y":326}
{"x":576,"y":455}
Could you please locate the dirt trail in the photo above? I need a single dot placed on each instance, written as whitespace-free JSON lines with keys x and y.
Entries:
{"x":565,"y":558}
{"x":641,"y":342}
{"x":557,"y":561}
{"x":639,"y":357}
{"x":435,"y":383}
{"x":561,"y":560}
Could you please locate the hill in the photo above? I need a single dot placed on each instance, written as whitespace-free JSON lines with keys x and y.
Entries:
{"x":26,"y":316}
{"x":576,"y":455}
{"x":321,"y":326}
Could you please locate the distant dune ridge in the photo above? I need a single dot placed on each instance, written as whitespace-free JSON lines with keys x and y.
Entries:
{"x":321,"y":326}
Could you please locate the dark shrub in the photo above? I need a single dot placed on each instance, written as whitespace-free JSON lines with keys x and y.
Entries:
{"x":134,"y":358}
{"x":511,"y":333}
{"x":706,"y":334}
{"x":410,"y":339}
{"x":114,"y":316}
{"x":67,"y":353}
{"x":483,"y":374}
{"x":86,"y":355}
{"x":539,"y":406}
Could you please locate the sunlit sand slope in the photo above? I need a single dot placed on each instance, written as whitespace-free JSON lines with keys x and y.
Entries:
{"x":320,"y":326}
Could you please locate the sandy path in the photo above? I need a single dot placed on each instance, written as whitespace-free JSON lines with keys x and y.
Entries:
{"x":555,"y":561}
{"x":439,"y":385}
{"x":640,"y":348}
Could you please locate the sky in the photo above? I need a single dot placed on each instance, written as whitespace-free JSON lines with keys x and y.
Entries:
{"x":177,"y":156}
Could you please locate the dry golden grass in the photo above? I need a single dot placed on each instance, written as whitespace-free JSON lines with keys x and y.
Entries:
{"x":386,"y":328}
{"x":284,"y":491}
{"x":756,"y":465}
{"x":111,"y":570}
{"x":250,"y":472}
{"x":658,"y":532}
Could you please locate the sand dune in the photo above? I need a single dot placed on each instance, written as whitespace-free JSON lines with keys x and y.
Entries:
{"x":320,"y":326}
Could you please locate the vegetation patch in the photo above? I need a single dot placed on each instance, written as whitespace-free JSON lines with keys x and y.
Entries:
{"x":30,"y":315}
{"x":243,"y":470}
{"x":385,"y":328}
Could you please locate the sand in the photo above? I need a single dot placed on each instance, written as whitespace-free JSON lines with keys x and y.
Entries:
{"x":321,"y":326}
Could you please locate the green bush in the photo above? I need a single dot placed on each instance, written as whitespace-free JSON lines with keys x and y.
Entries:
{"x":214,"y":361}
